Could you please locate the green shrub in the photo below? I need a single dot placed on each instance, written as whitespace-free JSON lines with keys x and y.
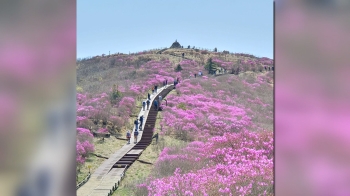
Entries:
{"x":115,"y":94}
{"x":182,"y":106}
{"x":178,"y":68}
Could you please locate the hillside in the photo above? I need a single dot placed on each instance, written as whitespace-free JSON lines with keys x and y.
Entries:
{"x":221,"y":121}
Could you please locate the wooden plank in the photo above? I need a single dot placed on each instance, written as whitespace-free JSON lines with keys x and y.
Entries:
{"x":137,"y":152}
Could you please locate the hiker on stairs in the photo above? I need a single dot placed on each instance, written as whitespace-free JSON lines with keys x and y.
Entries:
{"x":148,"y":102}
{"x":136,"y":122}
{"x":155,"y":105}
{"x":136,"y":133}
{"x":141,"y":122}
{"x":143,"y":105}
{"x":160,"y":99}
{"x":128,"y":136}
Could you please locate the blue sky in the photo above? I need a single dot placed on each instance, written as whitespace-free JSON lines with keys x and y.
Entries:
{"x":131,"y":26}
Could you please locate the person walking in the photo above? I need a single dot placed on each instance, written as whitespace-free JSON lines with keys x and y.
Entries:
{"x":155,"y":136}
{"x":149,"y":96}
{"x":136,"y":133}
{"x":128,"y":136}
{"x":148,"y":102}
{"x":195,"y":75}
{"x":141,"y":122}
{"x":160,"y":99}
{"x":136,"y":122}
{"x":156,"y":88}
{"x":152,"y":90}
{"x":143,"y":105}
{"x":166,"y":82}
{"x":155,"y":105}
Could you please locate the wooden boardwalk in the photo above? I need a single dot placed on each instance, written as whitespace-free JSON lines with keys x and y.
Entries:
{"x":105,"y":177}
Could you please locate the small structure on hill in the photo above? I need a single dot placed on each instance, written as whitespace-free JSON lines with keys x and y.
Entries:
{"x":175,"y":45}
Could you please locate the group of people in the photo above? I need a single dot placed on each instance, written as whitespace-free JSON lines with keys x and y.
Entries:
{"x":138,"y":126}
{"x":154,"y":89}
{"x":144,"y":103}
{"x":139,"y":122}
{"x":195,"y":75}
{"x":165,"y":82}
{"x":176,"y":81}
{"x":270,"y":68}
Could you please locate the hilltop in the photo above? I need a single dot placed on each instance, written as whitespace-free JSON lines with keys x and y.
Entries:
{"x":96,"y":73}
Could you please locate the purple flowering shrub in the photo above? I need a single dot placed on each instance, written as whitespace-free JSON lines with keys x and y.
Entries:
{"x":215,"y":106}
{"x":235,"y":164}
{"x":102,"y":130}
{"x":84,"y":145}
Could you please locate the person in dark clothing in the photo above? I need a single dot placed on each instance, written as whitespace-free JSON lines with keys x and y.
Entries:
{"x":136,"y":133}
{"x":141,"y":122}
{"x":155,"y":88}
{"x":272,"y":68}
{"x":152,"y":90}
{"x":269,"y":68}
{"x":143,"y":105}
{"x":128,"y":136}
{"x":265,"y":68}
{"x":136,"y":122}
{"x":149,"y":96}
{"x":166,"y":82}
{"x":155,"y":105}
{"x":195,"y":75}
{"x":156,"y":136}
{"x":148,"y":102}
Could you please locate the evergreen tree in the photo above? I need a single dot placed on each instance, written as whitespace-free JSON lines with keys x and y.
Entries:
{"x":115,"y":94}
{"x":178,"y":68}
{"x":210,"y":66}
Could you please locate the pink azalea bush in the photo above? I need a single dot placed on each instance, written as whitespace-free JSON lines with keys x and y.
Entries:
{"x":235,"y":164}
{"x":212,"y":107}
{"x":97,"y":108}
{"x":84,"y":145}
{"x":102,"y":130}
